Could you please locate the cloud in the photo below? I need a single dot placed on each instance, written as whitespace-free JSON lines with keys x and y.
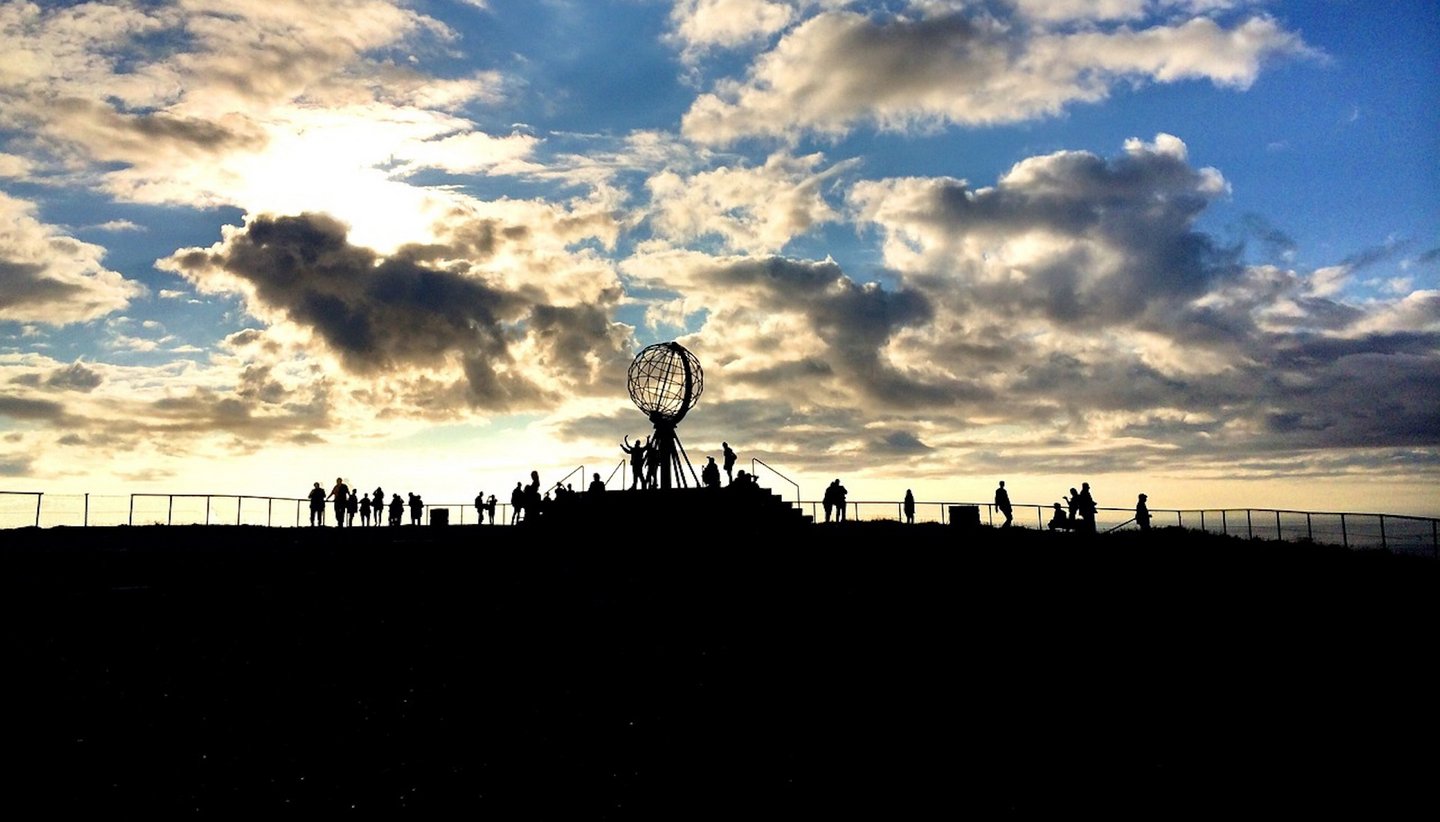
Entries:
{"x":840,"y":69}
{"x":48,"y":277}
{"x":749,"y":209}
{"x":271,"y":106}
{"x":75,"y":377}
{"x":118,"y":225}
{"x":700,"y":25}
{"x":430,"y":309}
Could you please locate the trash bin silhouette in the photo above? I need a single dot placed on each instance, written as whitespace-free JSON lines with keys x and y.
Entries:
{"x":439,"y":516}
{"x":965,"y":517}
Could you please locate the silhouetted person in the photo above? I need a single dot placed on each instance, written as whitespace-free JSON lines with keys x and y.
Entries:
{"x":1073,"y":502}
{"x":317,"y":505}
{"x":365,"y":510}
{"x":397,"y":509}
{"x":652,"y":463}
{"x":596,"y":486}
{"x":1086,"y":509}
{"x":729,"y":463}
{"x":1142,"y":513}
{"x":828,"y":501}
{"x":1002,"y":501}
{"x":341,"y":493}
{"x":530,"y":499}
{"x":480,"y":507}
{"x":743,"y":480}
{"x":490,"y":508}
{"x":909,"y":507}
{"x":416,"y":509}
{"x":1059,"y":521}
{"x":517,"y":503}
{"x":637,"y":461}
{"x":351,"y":506}
{"x":710,"y":474}
{"x":377,"y":501}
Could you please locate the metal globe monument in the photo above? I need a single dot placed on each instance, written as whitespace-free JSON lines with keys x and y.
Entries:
{"x":665,"y":381}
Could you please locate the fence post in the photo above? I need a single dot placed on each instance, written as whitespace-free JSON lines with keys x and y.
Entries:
{"x":170,"y":511}
{"x":239,"y":503}
{"x":297,"y":513}
{"x":38,"y":498}
{"x":1040,"y":517}
{"x":1249,"y":525}
{"x":1383,"y":545}
{"x":1309,"y":531}
{"x":1344,"y":535}
{"x":1179,"y":519}
{"x":1278,"y":538}
{"x":269,"y":508}
{"x":132,"y":509}
{"x":1202,"y":519}
{"x":1224,"y":529}
{"x":85,"y":523}
{"x":207,"y":509}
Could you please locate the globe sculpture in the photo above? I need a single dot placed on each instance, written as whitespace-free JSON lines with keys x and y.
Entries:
{"x":665,"y":382}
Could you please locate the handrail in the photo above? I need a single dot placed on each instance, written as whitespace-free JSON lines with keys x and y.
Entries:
{"x":618,"y":466}
{"x":1351,"y":529}
{"x":580,"y":468}
{"x":771,"y":469}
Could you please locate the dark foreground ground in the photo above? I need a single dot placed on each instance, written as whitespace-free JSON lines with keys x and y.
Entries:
{"x":868,"y":670}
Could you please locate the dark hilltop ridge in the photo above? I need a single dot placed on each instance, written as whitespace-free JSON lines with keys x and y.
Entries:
{"x":587,"y":671}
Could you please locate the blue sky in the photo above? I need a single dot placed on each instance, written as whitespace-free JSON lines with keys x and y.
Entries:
{"x":1187,"y":247}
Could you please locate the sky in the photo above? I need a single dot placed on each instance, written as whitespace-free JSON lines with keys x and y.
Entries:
{"x":1183,"y":247}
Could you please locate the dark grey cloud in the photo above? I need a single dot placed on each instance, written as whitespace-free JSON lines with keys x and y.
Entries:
{"x":12,"y":465}
{"x":855,"y":321}
{"x":25,"y":283}
{"x":74,"y":377}
{"x":21,"y":408}
{"x":416,"y":308}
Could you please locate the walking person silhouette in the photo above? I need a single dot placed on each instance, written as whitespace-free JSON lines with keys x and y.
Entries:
{"x":1002,"y":502}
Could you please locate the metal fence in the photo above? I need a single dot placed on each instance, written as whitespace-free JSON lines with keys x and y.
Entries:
{"x":1394,"y":532}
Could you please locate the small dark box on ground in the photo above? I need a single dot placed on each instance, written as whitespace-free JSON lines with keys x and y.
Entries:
{"x":965,"y":516}
{"x":440,"y":516}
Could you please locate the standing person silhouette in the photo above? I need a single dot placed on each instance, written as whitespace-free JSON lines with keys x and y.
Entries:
{"x":1142,"y":513}
{"x":352,"y":504}
{"x":840,"y":493}
{"x":652,"y":462}
{"x":531,"y":497}
{"x":1086,"y":508}
{"x":729,"y":463}
{"x":597,"y":486}
{"x":397,"y":509}
{"x":480,"y":507}
{"x":317,"y":505}
{"x":1002,"y":501}
{"x":365,"y":510}
{"x":637,"y":460}
{"x":909,"y":507}
{"x":416,"y":506}
{"x":829,"y":499}
{"x":1073,"y":503}
{"x":377,"y":502}
{"x":517,"y":503}
{"x":341,"y":493}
